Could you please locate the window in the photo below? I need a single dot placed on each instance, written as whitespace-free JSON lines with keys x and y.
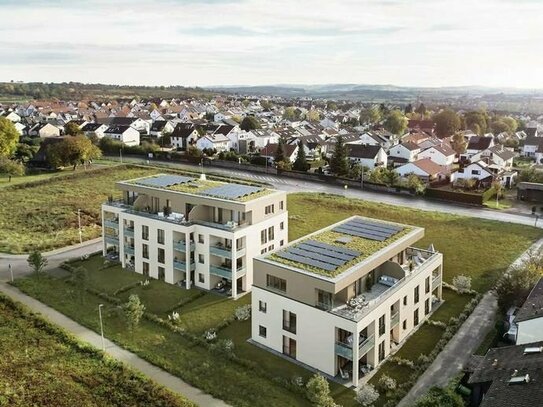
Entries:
{"x":404,"y":324}
{"x":427,"y":306}
{"x":289,"y":347}
{"x":145,"y":232}
{"x":282,"y":243}
{"x":262,"y":306}
{"x":475,"y":172}
{"x":382,"y":325}
{"x":201,"y":239}
{"x":381,"y":351}
{"x":145,"y":251}
{"x":324,"y":299}
{"x":416,"y":317}
{"x":281,"y":205}
{"x":271,"y":233}
{"x":201,"y":259}
{"x":289,"y":321}
{"x":160,"y":236}
{"x":161,"y":255}
{"x":263,"y":237}
{"x":416,"y":294}
{"x":263,"y":251}
{"x":276,"y":283}
{"x":145,"y":269}
{"x":270,"y":248}
{"x":282,"y":226}
{"x":201,"y":278}
{"x":427,"y":285}
{"x":269,"y":209}
{"x":262,"y":331}
{"x":161,"y":273}
{"x":405,"y":300}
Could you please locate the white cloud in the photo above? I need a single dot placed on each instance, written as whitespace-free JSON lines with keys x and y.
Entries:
{"x":438,"y":42}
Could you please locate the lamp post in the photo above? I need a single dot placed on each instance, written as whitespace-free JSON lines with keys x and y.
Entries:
{"x":79,"y":222}
{"x":121,"y":154}
{"x":10,"y":271}
{"x":101,"y":326}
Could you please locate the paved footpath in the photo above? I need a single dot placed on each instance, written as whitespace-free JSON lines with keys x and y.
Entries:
{"x":452,"y":359}
{"x":160,"y":376}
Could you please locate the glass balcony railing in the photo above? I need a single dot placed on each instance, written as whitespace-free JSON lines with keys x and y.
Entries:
{"x":344,"y":350}
{"x":128,"y":231}
{"x":111,"y":223}
{"x":225,"y":251}
{"x":225,"y":272}
{"x":182,"y":265}
{"x":366,"y":345}
{"x":436,"y":282}
{"x":182,"y":246}
{"x":395,"y":319}
{"x":112,"y":239}
{"x":129,"y":250}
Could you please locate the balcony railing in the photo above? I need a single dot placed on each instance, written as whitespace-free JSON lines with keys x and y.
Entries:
{"x":128,"y":231}
{"x":225,"y":272}
{"x":366,"y":345}
{"x":111,"y":223}
{"x":395,"y":319}
{"x":112,"y":239}
{"x":182,"y":265}
{"x":436,"y":282}
{"x":129,"y":250}
{"x":182,"y":246}
{"x":344,"y":350}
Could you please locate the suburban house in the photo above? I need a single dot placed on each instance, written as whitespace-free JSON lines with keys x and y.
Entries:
{"x":125,"y":134}
{"x":507,"y":376}
{"x":529,"y":317}
{"x":44,"y":130}
{"x":441,"y":154}
{"x":184,"y":135}
{"x":161,"y":127}
{"x":370,"y":156}
{"x":476,"y":144}
{"x":216,"y":141}
{"x":425,"y":169}
{"x":497,"y":157}
{"x":193,"y":232}
{"x":475,"y":170}
{"x":330,"y":302}
{"x":94,"y":129}
{"x":426,"y":126}
{"x":290,"y":150}
{"x":533,"y":145}
{"x":403,"y":153}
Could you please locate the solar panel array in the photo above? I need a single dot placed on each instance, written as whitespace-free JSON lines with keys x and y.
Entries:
{"x":367,"y":229}
{"x":162,"y":181}
{"x":231,"y":191}
{"x":318,"y":254}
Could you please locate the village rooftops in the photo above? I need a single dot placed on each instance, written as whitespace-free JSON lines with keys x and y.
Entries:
{"x":189,"y":185}
{"x":344,"y":247}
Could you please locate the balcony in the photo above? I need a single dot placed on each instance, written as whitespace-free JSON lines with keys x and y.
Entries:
{"x":225,"y":272}
{"x":128,"y":231}
{"x":366,"y":345}
{"x":111,"y":223}
{"x":344,"y":350}
{"x":436,"y":282}
{"x":225,"y":251}
{"x":182,"y":246}
{"x":182,"y":265}
{"x":112,"y":239}
{"x":395,"y":319}
{"x":129,"y":250}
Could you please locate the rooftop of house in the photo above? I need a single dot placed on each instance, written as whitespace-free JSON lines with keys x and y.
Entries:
{"x":533,"y":306}
{"x":201,"y":187}
{"x":336,"y":249}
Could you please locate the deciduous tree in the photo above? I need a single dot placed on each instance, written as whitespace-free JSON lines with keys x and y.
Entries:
{"x":318,"y":392}
{"x":72,"y":151}
{"x":37,"y":263}
{"x":395,"y":122}
{"x":8,"y":138}
{"x":447,"y":123}
{"x":370,"y":116}
{"x":250,"y":123}
{"x":133,"y":311}
{"x":72,"y":129}
{"x":459,"y":143}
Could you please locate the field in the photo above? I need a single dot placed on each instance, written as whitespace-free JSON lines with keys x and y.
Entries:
{"x":43,"y":215}
{"x":42,"y":366}
{"x":251,"y":376}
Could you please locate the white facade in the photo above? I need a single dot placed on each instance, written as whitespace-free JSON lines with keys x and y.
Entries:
{"x":473,"y":170}
{"x":129,"y":136}
{"x":437,"y":156}
{"x":401,"y":151}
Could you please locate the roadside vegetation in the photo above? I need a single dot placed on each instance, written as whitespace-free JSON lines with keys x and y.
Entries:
{"x":43,"y":366}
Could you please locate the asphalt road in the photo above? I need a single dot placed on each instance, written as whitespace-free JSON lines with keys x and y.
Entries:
{"x":294,"y":185}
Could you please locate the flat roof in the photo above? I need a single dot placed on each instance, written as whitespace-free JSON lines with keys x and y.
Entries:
{"x":230,"y":191}
{"x":337,"y":248}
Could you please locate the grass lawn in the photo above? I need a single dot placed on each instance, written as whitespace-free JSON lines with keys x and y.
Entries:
{"x":453,"y":305}
{"x":421,"y":342}
{"x":502,"y":204}
{"x":41,"y":365}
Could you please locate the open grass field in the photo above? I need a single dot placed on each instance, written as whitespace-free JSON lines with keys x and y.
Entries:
{"x":478,"y":248}
{"x":43,"y":215}
{"x":42,"y":366}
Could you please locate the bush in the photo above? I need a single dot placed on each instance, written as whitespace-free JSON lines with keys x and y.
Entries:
{"x":318,"y":392}
{"x":366,"y":395}
{"x":386,"y":383}
{"x":462,"y":284}
{"x":11,"y":167}
{"x":243,"y":313}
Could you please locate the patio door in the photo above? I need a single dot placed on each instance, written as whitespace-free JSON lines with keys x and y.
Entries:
{"x":289,"y":347}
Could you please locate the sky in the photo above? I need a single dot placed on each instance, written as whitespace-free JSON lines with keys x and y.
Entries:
{"x":430,"y":43}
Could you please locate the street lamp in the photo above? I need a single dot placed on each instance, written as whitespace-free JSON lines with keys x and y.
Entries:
{"x":79,"y":222}
{"x":10,"y":271}
{"x":101,"y":326}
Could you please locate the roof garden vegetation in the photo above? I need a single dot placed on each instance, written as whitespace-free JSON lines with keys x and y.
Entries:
{"x":366,"y":247}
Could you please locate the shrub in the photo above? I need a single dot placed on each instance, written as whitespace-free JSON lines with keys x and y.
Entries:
{"x":318,"y":392}
{"x":462,"y":284}
{"x":225,"y":346}
{"x":210,"y":335}
{"x":386,"y":383}
{"x":366,"y":395}
{"x":243,"y":313}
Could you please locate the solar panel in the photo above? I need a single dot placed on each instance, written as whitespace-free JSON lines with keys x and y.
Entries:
{"x":231,"y":191}
{"x":359,"y":234}
{"x":376,"y":226}
{"x":338,"y":249}
{"x":164,"y":180}
{"x":368,"y":229}
{"x":307,"y":261}
{"x":320,"y":257}
{"x":314,"y":249}
{"x":370,"y":232}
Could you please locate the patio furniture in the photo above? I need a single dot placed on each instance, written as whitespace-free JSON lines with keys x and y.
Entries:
{"x":387,"y":280}
{"x":344,"y":374}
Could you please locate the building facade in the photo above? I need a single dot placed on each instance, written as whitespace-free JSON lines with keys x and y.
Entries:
{"x":342,"y":299}
{"x":194,"y":232}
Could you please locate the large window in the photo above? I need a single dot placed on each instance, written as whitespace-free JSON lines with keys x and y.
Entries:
{"x":146,"y":269}
{"x":161,"y":273}
{"x":269,"y":209}
{"x":161,"y":255}
{"x":262,"y":331}
{"x":324,"y":299}
{"x":276,"y":283}
{"x":160,"y":236}
{"x":145,"y":232}
{"x":271,"y":233}
{"x":262,"y":306}
{"x":427,"y":306}
{"x":381,"y":351}
{"x":145,"y":251}
{"x":416,"y":317}
{"x":427,"y":285}
{"x":382,"y":325}
{"x":263,"y":236}
{"x":289,"y":347}
{"x":416,"y":294}
{"x":289,"y":321}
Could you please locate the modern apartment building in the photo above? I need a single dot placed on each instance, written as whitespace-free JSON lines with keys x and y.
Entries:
{"x":341,"y":299}
{"x":193,"y":231}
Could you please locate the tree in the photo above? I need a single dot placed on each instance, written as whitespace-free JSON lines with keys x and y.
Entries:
{"x":339,"y":163}
{"x":9,"y":136}
{"x":133,"y":310}
{"x":459,"y":143}
{"x":301,"y":163}
{"x":497,"y":189}
{"x":395,"y":122}
{"x":514,"y":286}
{"x":331,"y":106}
{"x":318,"y":392}
{"x":462,"y":283}
{"x":447,"y":123}
{"x":366,"y":395}
{"x":11,"y":167}
{"x":476,"y":121}
{"x":386,"y":383}
{"x":250,"y":123}
{"x":371,"y":116}
{"x":72,"y":129}
{"x":416,"y":184}
{"x":72,"y":151}
{"x":437,"y":396}
{"x":391,"y":177}
{"x":25,"y":152}
{"x":37,"y":263}
{"x":290,"y":113}
{"x":313,"y":115}
{"x":280,"y":151}
{"x":409,"y":109}
{"x":421,"y":110}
